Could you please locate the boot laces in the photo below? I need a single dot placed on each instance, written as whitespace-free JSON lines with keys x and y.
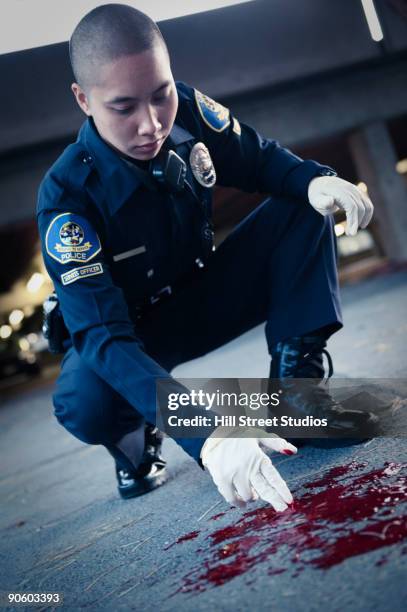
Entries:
{"x":328,"y":357}
{"x":304,"y":358}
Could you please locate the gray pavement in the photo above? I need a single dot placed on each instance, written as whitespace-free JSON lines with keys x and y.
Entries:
{"x":344,"y":546}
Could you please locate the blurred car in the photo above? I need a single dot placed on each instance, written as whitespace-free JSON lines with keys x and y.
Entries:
{"x":15,"y":361}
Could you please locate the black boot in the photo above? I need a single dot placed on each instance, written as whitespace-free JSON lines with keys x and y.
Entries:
{"x":302,"y":358}
{"x":151,"y":472}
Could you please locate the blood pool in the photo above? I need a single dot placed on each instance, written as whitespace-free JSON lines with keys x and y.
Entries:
{"x":347,"y":512}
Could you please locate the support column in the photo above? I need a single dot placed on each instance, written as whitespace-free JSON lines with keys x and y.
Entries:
{"x":375,"y":159}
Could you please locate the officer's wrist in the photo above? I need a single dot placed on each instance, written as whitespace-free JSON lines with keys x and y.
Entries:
{"x":216,"y":437}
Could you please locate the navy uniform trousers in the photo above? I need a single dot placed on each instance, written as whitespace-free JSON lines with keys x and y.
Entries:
{"x":277,"y":266}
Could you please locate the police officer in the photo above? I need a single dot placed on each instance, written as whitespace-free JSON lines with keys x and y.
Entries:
{"x":124,"y":216}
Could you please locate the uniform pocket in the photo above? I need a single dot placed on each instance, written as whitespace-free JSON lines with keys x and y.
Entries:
{"x":133,"y":270}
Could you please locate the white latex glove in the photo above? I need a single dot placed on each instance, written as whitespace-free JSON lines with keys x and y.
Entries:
{"x":243,"y":472}
{"x":327,"y":194}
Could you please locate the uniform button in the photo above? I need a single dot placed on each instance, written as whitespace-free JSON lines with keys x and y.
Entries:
{"x":208,"y":234}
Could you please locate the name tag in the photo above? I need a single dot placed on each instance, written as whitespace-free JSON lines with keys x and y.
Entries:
{"x":131,"y":253}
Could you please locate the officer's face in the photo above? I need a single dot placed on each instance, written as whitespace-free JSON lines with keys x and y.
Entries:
{"x":134,"y":103}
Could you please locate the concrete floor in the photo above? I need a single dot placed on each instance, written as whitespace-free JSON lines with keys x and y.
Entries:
{"x":64,"y":529}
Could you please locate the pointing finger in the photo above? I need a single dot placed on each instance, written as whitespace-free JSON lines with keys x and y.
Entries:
{"x":228,"y":493}
{"x":279,"y":445}
{"x":243,"y":488}
{"x":267,"y":493}
{"x":273,"y":477}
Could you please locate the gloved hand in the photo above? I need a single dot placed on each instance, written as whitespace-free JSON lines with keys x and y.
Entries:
{"x":327,"y":194}
{"x":242,"y":471}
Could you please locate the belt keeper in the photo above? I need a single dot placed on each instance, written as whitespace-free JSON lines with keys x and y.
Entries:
{"x":156,"y":298}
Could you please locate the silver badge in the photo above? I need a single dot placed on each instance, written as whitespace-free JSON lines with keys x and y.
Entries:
{"x":202,"y":165}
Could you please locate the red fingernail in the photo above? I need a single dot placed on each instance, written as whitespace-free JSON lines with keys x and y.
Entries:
{"x":287,"y":451}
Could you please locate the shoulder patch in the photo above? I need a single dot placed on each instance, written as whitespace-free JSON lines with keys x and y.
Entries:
{"x":214,"y":114}
{"x":71,"y":237}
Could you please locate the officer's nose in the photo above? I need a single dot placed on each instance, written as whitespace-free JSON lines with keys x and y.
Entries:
{"x":149,"y":124}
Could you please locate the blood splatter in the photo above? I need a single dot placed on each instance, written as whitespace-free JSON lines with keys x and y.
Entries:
{"x":346,"y":512}
{"x":188,"y":536}
{"x":215,"y":517}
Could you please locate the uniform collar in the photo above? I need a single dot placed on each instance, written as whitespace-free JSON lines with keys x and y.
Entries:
{"x":118,"y":179}
{"x":178,"y":135}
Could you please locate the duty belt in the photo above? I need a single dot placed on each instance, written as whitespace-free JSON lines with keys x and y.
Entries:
{"x":143,"y":308}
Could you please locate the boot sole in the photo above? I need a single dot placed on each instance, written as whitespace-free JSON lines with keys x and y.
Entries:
{"x":146,"y":485}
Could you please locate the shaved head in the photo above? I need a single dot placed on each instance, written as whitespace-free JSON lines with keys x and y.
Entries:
{"x":106,"y":33}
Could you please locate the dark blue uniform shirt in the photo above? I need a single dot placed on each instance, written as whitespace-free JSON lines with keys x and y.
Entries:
{"x":110,"y":241}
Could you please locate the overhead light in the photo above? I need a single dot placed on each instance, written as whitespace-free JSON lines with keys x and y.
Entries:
{"x":28,"y":310}
{"x":372,"y":19}
{"x":5,"y":331}
{"x":35,"y":282}
{"x":401,"y":166}
{"x":15,"y":317}
{"x":24,"y":344}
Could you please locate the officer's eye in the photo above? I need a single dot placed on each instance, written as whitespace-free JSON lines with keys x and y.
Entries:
{"x":160,"y":99}
{"x":122,"y":111}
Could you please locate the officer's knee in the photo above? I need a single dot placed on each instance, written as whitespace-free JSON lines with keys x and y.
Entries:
{"x":289,"y":208}
{"x":83,"y":403}
{"x":85,"y":421}
{"x":307,"y":216}
{"x":324,"y":222}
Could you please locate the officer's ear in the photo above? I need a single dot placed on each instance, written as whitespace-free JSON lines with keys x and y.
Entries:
{"x":81,"y":98}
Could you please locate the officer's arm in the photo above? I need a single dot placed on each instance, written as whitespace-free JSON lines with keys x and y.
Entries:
{"x":246,"y":160}
{"x":96,"y":314}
